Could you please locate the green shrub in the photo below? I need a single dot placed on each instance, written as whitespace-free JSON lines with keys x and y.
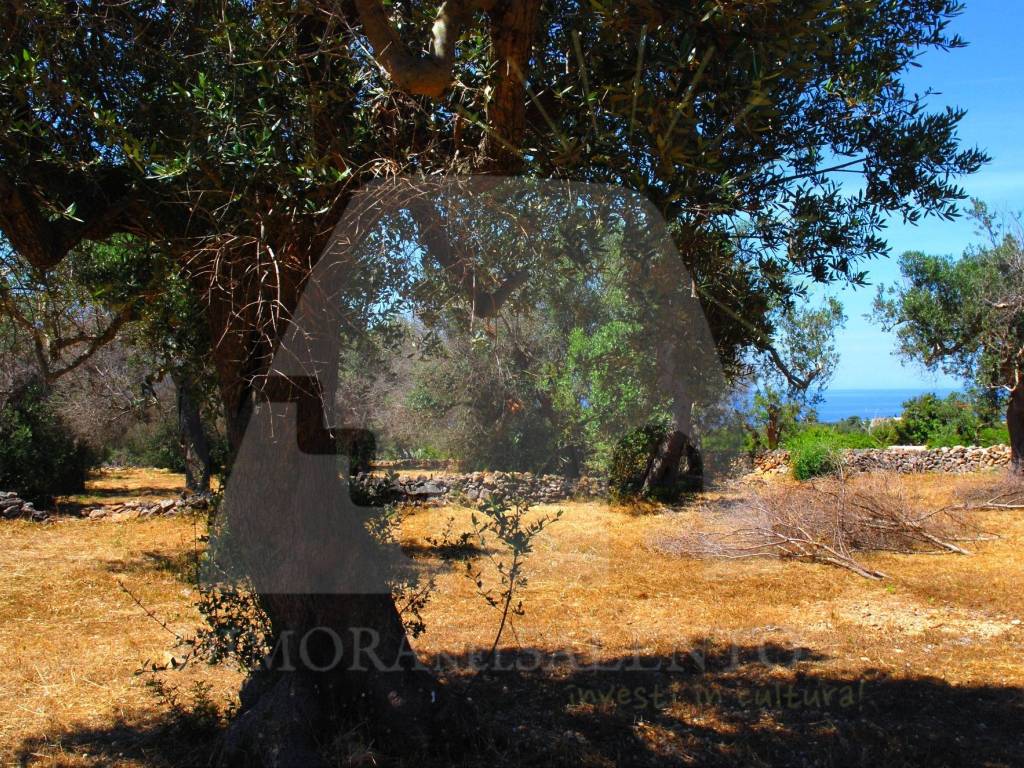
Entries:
{"x":630,"y":458}
{"x":157,"y":443}
{"x":817,"y":450}
{"x":955,"y":420}
{"x":39,"y":457}
{"x":886,"y":434}
{"x":947,"y":437}
{"x":929,"y":420}
{"x":989,"y":436}
{"x":151,"y":444}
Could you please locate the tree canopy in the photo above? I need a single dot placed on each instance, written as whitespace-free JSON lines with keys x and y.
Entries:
{"x":965,"y":316}
{"x":231,"y":136}
{"x":241,"y":128}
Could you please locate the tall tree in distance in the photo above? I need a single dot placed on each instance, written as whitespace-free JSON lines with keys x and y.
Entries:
{"x":965,"y":316}
{"x":793,"y":375}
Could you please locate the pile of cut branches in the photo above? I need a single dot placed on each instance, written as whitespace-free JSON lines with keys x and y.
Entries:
{"x":1006,"y":493}
{"x":830,"y":522}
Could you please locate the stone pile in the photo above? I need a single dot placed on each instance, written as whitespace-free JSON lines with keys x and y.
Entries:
{"x":13,"y":507}
{"x":475,"y":487}
{"x":143,"y":509}
{"x":903,"y":460}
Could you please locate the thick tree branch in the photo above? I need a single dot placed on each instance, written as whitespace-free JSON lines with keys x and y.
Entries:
{"x":26,"y":228}
{"x":425,"y":75}
{"x":102,"y":208}
{"x":97,"y":342}
{"x":799,"y":383}
{"x":460,"y":269}
{"x":47,"y":351}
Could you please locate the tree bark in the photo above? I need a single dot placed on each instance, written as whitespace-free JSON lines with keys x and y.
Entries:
{"x":341,"y":654}
{"x":512,"y":28}
{"x":1015,"y":425}
{"x":773,"y":428}
{"x":662,"y":476}
{"x":194,"y":445}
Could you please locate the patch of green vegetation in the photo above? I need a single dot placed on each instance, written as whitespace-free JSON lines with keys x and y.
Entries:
{"x":39,"y":456}
{"x":817,"y":449}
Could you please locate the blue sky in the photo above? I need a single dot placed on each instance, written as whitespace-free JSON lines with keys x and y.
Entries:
{"x":986,"y":79}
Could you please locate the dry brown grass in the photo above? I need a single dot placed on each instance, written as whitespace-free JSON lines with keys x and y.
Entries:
{"x":73,"y":642}
{"x":932,"y":654}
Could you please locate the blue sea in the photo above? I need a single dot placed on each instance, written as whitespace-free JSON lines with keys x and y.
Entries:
{"x":841,"y":404}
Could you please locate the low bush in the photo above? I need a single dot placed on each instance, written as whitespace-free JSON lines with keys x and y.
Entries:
{"x":630,"y":458}
{"x":817,"y":450}
{"x":156,"y":442}
{"x":39,"y":456}
{"x":955,"y":420}
{"x":153,"y":444}
{"x":886,"y":433}
{"x":989,"y":436}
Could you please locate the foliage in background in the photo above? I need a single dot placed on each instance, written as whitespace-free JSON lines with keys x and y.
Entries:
{"x":955,"y":420}
{"x":605,"y":388}
{"x":965,"y":317}
{"x":817,"y":450}
{"x":792,"y":378}
{"x":39,"y":457}
{"x":962,"y":316}
{"x":476,"y":406}
{"x":153,"y":439}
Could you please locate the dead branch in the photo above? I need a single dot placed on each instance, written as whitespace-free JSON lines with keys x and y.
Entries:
{"x":831,"y":522}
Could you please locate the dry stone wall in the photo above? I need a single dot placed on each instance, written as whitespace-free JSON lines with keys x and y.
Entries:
{"x":476,"y":487}
{"x":481,"y":486}
{"x":145,"y":508}
{"x":13,"y":507}
{"x":904,"y":460}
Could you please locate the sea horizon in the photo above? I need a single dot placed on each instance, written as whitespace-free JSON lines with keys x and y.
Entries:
{"x":871,"y":403}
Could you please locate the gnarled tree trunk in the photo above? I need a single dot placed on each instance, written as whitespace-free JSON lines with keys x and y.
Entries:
{"x":194,"y":445}
{"x":341,"y":653}
{"x":1015,"y":425}
{"x":663,"y":473}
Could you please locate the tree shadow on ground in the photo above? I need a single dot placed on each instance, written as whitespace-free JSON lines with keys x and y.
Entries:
{"x":752,"y":705}
{"x":179,"y":735}
{"x":445,"y":551}
{"x":183,"y":565}
{"x":133,"y":493}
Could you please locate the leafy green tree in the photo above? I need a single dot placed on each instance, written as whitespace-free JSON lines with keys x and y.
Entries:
{"x":605,"y":388}
{"x":792,"y":376}
{"x":930,"y":420}
{"x":39,"y":456}
{"x":478,"y":397}
{"x":965,"y":316}
{"x":52,"y":323}
{"x":233,"y":134}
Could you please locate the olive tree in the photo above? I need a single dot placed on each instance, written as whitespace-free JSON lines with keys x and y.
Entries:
{"x":792,"y":376}
{"x":965,"y":316}
{"x":234,"y":135}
